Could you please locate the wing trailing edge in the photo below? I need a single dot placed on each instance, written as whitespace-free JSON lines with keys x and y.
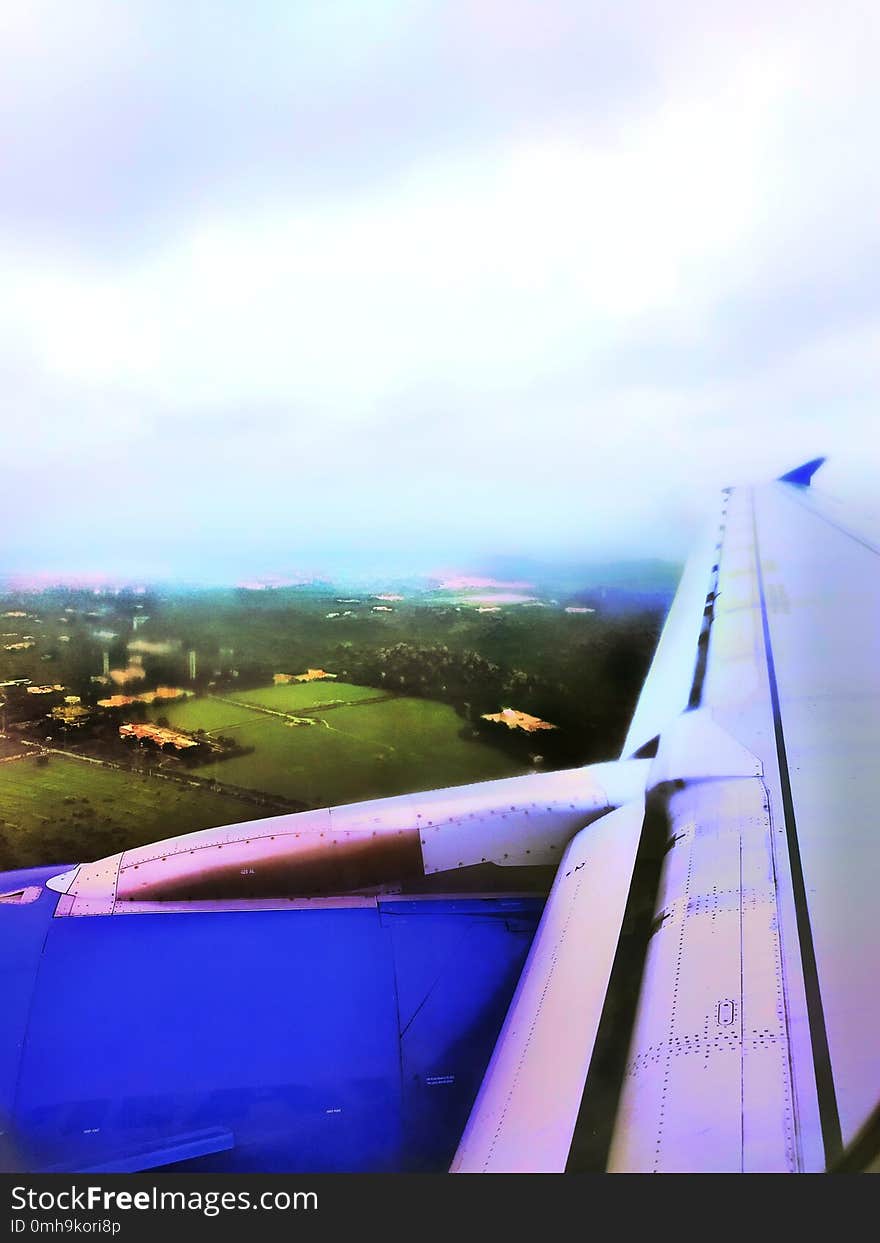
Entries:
{"x":526,"y":1112}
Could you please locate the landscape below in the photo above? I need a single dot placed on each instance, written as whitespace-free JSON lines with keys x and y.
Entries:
{"x":127,"y":716}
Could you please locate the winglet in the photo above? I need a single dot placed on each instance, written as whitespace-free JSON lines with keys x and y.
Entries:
{"x":802,"y":475}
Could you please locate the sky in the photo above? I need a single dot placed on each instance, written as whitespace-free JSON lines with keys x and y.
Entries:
{"x":324,"y":281}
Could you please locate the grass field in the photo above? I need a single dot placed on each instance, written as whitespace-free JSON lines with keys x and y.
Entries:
{"x":298,"y":696}
{"x":356,"y":751}
{"x":72,"y":811}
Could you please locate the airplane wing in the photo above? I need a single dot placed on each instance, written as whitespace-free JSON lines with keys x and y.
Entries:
{"x":742,"y":1034}
{"x":382,"y":986}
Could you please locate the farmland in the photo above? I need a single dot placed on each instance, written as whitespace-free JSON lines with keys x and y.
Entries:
{"x":62,"y":809}
{"x":367,"y":747}
{"x":68,"y":810}
{"x":418,"y":683}
{"x":298,"y":697}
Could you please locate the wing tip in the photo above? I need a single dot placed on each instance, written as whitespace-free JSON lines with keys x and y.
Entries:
{"x":802,"y":475}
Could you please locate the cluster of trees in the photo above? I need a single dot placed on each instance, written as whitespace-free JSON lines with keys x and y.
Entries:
{"x":587,"y":690}
{"x":464,"y":678}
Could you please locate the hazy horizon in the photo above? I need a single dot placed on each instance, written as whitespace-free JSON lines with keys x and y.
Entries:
{"x":295,"y":286}
{"x":491,"y":574}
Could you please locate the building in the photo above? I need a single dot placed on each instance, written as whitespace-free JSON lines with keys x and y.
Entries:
{"x":310,"y":675}
{"x":158,"y":736}
{"x":71,"y":716}
{"x":160,"y":694}
{"x":517,"y":720}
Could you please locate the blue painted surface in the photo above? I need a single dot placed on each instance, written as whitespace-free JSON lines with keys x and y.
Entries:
{"x":22,"y":933}
{"x":802,"y":475}
{"x":456,"y":973}
{"x":280,"y":1027}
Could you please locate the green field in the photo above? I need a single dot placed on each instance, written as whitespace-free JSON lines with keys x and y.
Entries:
{"x":581,"y":673}
{"x":70,"y":810}
{"x":357,"y":751}
{"x":297,"y":696}
{"x":73,"y":811}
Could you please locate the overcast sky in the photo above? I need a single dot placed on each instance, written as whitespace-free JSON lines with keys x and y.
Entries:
{"x":315,"y":279}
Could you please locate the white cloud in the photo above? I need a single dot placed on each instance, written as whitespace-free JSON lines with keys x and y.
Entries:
{"x":510,"y":264}
{"x":498,"y":306}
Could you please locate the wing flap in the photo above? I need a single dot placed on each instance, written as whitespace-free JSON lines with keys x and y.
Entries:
{"x":527,"y":1108}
